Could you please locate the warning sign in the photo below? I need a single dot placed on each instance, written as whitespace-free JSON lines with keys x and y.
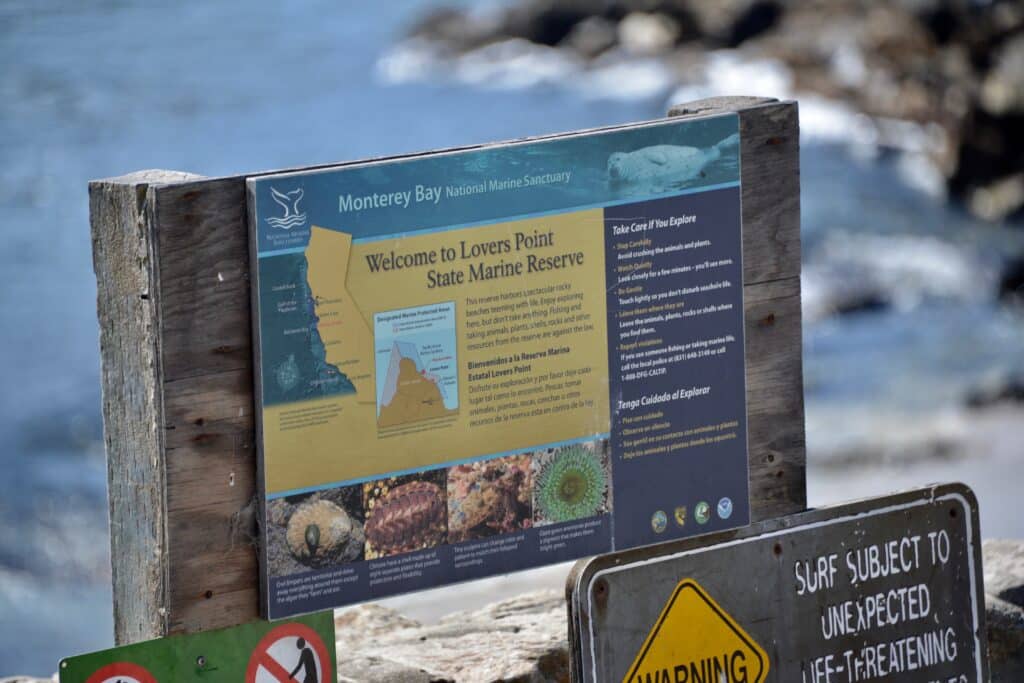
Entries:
{"x":694,"y":639}
{"x":291,"y":652}
{"x":882,"y":589}
{"x":121,"y":672}
{"x":295,"y":651}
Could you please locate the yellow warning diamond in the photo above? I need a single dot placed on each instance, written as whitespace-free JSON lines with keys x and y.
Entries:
{"x":695,"y":641}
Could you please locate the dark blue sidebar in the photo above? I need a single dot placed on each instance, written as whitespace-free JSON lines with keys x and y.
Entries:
{"x":676,"y":366}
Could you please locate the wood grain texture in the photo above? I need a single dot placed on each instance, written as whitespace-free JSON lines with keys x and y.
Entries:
{"x":178,"y":375}
{"x":127,"y":302}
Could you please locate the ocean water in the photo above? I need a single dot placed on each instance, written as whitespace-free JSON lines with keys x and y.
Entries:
{"x":100,"y":89}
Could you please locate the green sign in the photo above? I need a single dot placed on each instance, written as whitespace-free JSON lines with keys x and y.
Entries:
{"x":299,"y":650}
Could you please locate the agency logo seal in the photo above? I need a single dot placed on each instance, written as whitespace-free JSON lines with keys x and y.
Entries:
{"x":659,"y":521}
{"x":702,"y":512}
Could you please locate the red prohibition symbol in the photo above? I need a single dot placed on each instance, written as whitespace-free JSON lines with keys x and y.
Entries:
{"x":125,"y":672}
{"x":286,"y":650}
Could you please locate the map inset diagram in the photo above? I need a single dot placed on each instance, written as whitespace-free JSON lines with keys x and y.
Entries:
{"x":416,"y":369}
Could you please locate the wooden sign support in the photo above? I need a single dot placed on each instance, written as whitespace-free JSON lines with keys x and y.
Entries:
{"x":171,"y":257}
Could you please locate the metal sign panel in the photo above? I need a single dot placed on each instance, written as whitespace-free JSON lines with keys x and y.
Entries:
{"x":881,"y":589}
{"x":299,"y":650}
{"x":485,"y":360}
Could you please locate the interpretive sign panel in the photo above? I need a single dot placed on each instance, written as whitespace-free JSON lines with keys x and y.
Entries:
{"x":480,"y":361}
{"x":260,"y":652}
{"x":882,"y":589}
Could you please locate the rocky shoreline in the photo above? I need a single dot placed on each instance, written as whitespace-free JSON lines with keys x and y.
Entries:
{"x":524,"y":639}
{"x":942,"y":77}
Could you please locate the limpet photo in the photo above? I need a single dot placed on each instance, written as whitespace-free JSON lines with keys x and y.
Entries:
{"x":571,"y":482}
{"x":315,"y":530}
{"x":489,"y":497}
{"x":405,"y":513}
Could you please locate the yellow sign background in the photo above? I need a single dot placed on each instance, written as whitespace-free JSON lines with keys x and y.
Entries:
{"x":342,"y":442}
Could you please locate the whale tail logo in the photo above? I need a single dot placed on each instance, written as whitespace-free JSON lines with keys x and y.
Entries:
{"x":289,"y":201}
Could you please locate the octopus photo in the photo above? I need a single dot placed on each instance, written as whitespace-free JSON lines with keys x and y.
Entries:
{"x":488,"y":498}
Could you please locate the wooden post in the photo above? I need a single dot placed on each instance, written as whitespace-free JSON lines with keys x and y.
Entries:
{"x":172,"y":263}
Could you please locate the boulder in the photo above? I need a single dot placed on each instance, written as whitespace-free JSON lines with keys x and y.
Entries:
{"x":549,"y":22}
{"x":1003,"y":88}
{"x":646,"y":34}
{"x":732,"y":22}
{"x":1008,"y":389}
{"x":591,"y":37}
{"x":955,"y":68}
{"x":520,"y":639}
{"x":1004,"y":603}
{"x":999,"y":199}
{"x":455,"y":30}
{"x":1011,"y":282}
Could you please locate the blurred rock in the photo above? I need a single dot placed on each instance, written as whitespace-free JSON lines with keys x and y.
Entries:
{"x":1008,"y":389}
{"x":647,"y":34}
{"x":999,"y":199}
{"x":852,"y":273}
{"x":863,"y":302}
{"x":1003,"y":89}
{"x":456,"y":30}
{"x":730,"y":22}
{"x":954,"y":67}
{"x":1011,"y":282}
{"x":1004,"y":570}
{"x":841,"y":298}
{"x":549,"y":22}
{"x":757,"y":18}
{"x":520,"y":639}
{"x":988,"y":162}
{"x":1004,"y":602}
{"x":932,"y":442}
{"x":591,"y":37}
{"x":1005,"y":640}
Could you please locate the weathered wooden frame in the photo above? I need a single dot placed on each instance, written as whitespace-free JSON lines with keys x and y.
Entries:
{"x":171,"y":258}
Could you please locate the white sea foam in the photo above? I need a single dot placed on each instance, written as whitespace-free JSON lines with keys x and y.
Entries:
{"x":505,"y":65}
{"x":410,"y":61}
{"x":626,"y":79}
{"x":517,"y":64}
{"x":900,"y":270}
{"x":727,"y":72}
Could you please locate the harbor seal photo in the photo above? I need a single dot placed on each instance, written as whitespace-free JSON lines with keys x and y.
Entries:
{"x":662,"y":162}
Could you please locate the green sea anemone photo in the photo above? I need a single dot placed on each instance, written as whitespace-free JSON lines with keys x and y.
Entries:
{"x":571,"y":482}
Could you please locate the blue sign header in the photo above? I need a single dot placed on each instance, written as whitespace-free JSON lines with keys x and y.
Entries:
{"x":377,"y":199}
